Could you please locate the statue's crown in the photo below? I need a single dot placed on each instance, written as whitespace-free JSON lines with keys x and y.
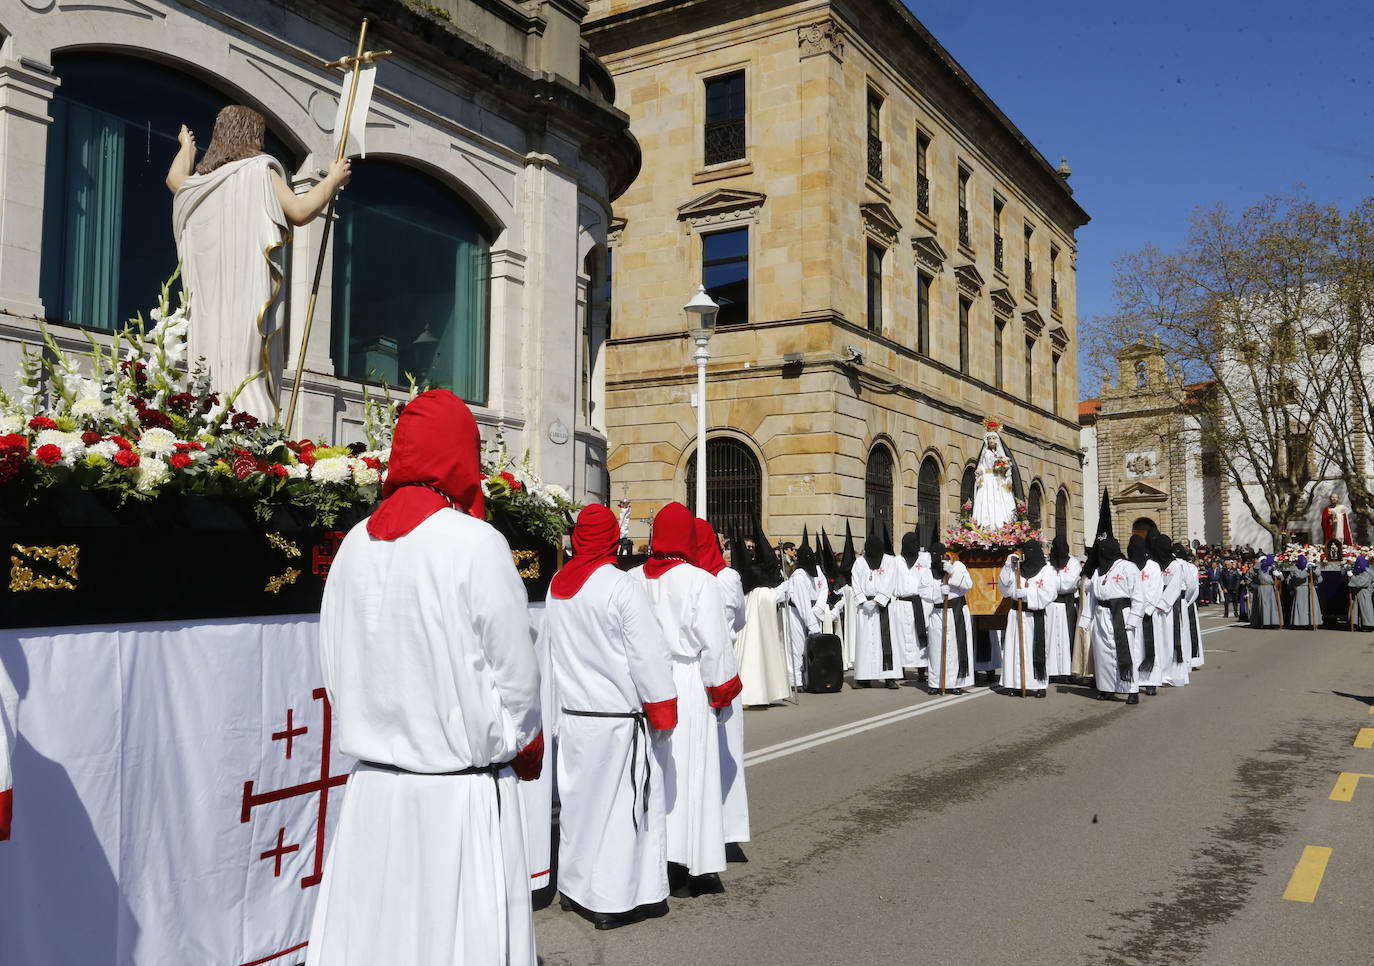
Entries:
{"x":991,"y":425}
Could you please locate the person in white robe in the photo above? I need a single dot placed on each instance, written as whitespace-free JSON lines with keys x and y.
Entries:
{"x":691,"y":611}
{"x":759,"y":648}
{"x":429,"y":666}
{"x":1113,"y":612}
{"x":1061,"y":616}
{"x":807,"y":595}
{"x":1186,"y":632}
{"x":909,"y":611}
{"x":613,"y":698}
{"x":1027,"y":579}
{"x":230,"y":217}
{"x":875,"y":654}
{"x":1150,"y":597}
{"x":848,"y":605}
{"x":1169,"y":619}
{"x":730,"y":722}
{"x":950,"y":631}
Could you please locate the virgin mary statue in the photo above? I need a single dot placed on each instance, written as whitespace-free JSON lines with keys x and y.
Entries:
{"x":997,"y":483}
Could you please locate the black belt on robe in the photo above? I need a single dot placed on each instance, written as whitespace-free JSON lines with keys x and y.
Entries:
{"x":1125,"y":670}
{"x":1070,"y":602}
{"x":1178,"y":631}
{"x":641,"y":724}
{"x":918,"y":608}
{"x":958,"y":605}
{"x":885,"y":632}
{"x":1192,"y":628}
{"x":493,"y":770}
{"x":1147,"y":637}
{"x":1038,"y":647}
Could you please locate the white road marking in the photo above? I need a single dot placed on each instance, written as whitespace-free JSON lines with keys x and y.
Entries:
{"x":791,"y":747}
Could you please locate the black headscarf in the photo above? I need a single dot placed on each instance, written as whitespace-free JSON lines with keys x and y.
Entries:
{"x":873,"y":550}
{"x":806,"y":558}
{"x":911,"y":547}
{"x":848,"y":557}
{"x":937,"y":559}
{"x":1180,"y":552}
{"x":767,"y":569}
{"x":1032,"y":559}
{"x":1137,"y":552}
{"x":740,"y":559}
{"x":1107,"y":552}
{"x":829,"y":566}
{"x":1059,"y":552}
{"x":1162,"y":551}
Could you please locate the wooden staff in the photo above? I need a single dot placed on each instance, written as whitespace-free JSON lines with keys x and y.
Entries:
{"x":356,"y":62}
{"x":1278,"y":595}
{"x":944,"y":639}
{"x":1021,"y":634}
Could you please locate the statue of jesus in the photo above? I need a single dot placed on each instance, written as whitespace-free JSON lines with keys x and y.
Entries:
{"x":230,"y":214}
{"x":1336,"y":520}
{"x":997,"y":486}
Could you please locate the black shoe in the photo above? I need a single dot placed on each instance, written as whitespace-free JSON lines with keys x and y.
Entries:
{"x":679,"y":886}
{"x":1151,"y":690}
{"x":1133,"y":698}
{"x":655,"y":910}
{"x":955,"y":691}
{"x":1040,"y":693}
{"x":566,"y":904}
{"x":892,"y":684}
{"x":707,"y":885}
{"x":1106,"y":696}
{"x":614,"y":920}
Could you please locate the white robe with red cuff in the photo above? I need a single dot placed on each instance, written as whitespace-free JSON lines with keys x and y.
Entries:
{"x":691,"y":610}
{"x":731,"y":723}
{"x":429,"y":664}
{"x":610,"y":657}
{"x":907,"y":583}
{"x":1018,"y":641}
{"x":1120,"y":582}
{"x":873,"y":592}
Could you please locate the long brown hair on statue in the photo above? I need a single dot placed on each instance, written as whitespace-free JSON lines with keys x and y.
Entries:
{"x":239,"y":134}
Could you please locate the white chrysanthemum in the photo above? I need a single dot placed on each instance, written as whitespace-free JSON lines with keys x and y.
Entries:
{"x":298,"y":471}
{"x":557,"y":492}
{"x":157,"y":443}
{"x":89,"y":411}
{"x":11,"y":422}
{"x":69,"y":443}
{"x":331,"y":469}
{"x":363,"y":474}
{"x":104,"y":448}
{"x":151,"y":473}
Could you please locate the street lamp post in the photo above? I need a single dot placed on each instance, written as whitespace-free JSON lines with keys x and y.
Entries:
{"x":701,"y":324}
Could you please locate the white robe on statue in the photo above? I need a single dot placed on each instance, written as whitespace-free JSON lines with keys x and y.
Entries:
{"x":873,"y":590}
{"x":691,"y":610}
{"x":994,"y":503}
{"x":731,"y":723}
{"x":759,"y":651}
{"x":1060,"y":622}
{"x":226,"y":224}
{"x":907,"y":591}
{"x":609,"y":656}
{"x":1119,"y":584}
{"x":1018,"y":642}
{"x":946,"y":597}
{"x":428,"y":661}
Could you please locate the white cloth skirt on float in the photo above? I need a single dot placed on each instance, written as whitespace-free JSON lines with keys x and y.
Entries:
{"x":426,"y":870}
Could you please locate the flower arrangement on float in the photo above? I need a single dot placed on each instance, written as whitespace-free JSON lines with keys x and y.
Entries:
{"x":968,"y":535}
{"x":135,"y":421}
{"x":1349,"y":553}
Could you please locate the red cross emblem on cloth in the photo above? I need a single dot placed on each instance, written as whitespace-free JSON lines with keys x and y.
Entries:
{"x":322,"y":557}
{"x":1040,"y":582}
{"x":318,"y":786}
{"x":1118,"y":578}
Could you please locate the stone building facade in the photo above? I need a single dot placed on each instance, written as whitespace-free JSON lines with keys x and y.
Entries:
{"x":467,"y":249}
{"x":895,"y":260}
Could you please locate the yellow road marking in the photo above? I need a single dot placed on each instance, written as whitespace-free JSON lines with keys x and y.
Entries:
{"x":1307,"y":877}
{"x":1345,"y":786}
{"x":1365,"y":739}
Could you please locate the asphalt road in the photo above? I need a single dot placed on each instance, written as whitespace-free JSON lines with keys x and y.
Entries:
{"x":992,"y":829}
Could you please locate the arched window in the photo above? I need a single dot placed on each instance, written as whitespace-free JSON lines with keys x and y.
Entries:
{"x":1061,"y":514}
{"x":878,"y":490}
{"x":928,"y":501}
{"x":1033,"y":505}
{"x":411,"y":276}
{"x":734,"y":485}
{"x":107,"y":242}
{"x":966,"y":487}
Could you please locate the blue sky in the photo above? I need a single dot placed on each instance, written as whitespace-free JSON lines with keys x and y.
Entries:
{"x":1166,"y":106}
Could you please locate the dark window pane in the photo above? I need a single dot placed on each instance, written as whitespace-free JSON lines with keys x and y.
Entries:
{"x":725,"y":273}
{"x":963,"y":337}
{"x":928,"y":502}
{"x":878,"y":491}
{"x":725,"y":105}
{"x":875,"y":288}
{"x":411,"y":275}
{"x":734,"y":486}
{"x":923,"y":313}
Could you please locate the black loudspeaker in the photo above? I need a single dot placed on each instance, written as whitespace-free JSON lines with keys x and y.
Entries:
{"x":824,"y":664}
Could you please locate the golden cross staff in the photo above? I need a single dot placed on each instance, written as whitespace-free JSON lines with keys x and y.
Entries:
{"x":355,"y":64}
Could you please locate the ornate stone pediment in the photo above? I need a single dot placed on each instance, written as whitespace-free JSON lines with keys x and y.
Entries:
{"x":721,"y":206}
{"x":1059,"y":337}
{"x":929,"y":254}
{"x":1139,"y":494}
{"x":1003,"y":302}
{"x":969,"y":278}
{"x":1033,"y":322}
{"x":880,"y":222}
{"x":615,"y":230}
{"x":822,"y":37}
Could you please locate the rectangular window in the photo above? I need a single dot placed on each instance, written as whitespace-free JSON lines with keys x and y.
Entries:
{"x":610,"y":253}
{"x":998,"y":248}
{"x":875,"y":137}
{"x":875,"y":288}
{"x":725,"y":118}
{"x":1054,"y":279}
{"x":963,"y":336}
{"x":997,"y":331}
{"x":725,"y":273}
{"x":1030,"y":271}
{"x":1030,"y":365}
{"x":963,"y":209}
{"x":923,"y":313}
{"x":1054,"y":382}
{"x":922,"y":175}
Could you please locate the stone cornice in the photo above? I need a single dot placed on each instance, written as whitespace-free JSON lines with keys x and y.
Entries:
{"x":722,"y":206}
{"x":1003,"y":302}
{"x":880,"y":222}
{"x":969,"y":278}
{"x":1033,"y":322}
{"x":928,"y":253}
{"x":822,"y":37}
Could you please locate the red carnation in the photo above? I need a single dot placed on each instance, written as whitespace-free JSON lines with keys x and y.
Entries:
{"x":41,"y":422}
{"x":276,"y":469}
{"x":48,"y":454}
{"x":511,"y":481}
{"x":372,"y":463}
{"x":126,"y":458}
{"x":90,"y":437}
{"x":14,"y":441}
{"x":121,"y":442}
{"x":179,"y":460}
{"x":14,"y":451}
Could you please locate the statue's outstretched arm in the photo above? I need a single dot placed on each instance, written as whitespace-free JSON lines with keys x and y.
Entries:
{"x":185,"y":161}
{"x":300,"y":209}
